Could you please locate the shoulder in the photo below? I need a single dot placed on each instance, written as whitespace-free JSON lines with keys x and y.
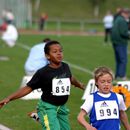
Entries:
{"x":43,"y":69}
{"x":88,"y":104}
{"x":119,"y":97}
{"x":65,"y":64}
{"x":120,"y":19}
{"x":121,"y":101}
{"x":90,"y":96}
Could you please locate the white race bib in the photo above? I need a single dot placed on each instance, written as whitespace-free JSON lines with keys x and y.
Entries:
{"x":61,"y":87}
{"x":106,"y":110}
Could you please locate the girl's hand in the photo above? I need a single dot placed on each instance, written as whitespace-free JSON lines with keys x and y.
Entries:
{"x":91,"y":128}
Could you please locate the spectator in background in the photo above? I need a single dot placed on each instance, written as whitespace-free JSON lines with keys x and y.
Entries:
{"x":119,"y":37}
{"x":108,"y":23}
{"x":42,"y":20}
{"x":9,"y":34}
{"x":118,"y":12}
{"x":36,"y":58}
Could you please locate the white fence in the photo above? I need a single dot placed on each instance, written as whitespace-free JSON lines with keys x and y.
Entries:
{"x":60,"y":25}
{"x":79,"y":25}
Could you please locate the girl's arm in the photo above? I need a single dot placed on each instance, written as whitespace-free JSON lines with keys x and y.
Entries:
{"x":124,"y":120}
{"x":81,"y":119}
{"x":18,"y":94}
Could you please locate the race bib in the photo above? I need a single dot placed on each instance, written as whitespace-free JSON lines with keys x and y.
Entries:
{"x":61,"y":87}
{"x":106,"y":110}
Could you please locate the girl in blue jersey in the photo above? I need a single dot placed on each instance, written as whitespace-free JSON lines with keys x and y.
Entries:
{"x":105,"y":108}
{"x":55,"y":81}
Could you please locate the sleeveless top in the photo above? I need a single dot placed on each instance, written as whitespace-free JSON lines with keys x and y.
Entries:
{"x":105,"y":112}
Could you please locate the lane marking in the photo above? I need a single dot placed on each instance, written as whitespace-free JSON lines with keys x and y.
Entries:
{"x":4,"y":58}
{"x":80,"y":68}
{"x":2,"y":127}
{"x":26,"y":47}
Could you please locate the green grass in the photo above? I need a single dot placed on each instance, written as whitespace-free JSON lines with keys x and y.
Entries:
{"x":87,"y":52}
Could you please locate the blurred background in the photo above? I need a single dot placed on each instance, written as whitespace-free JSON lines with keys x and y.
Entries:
{"x":67,"y":15}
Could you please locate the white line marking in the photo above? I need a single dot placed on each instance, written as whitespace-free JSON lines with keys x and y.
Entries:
{"x":72,"y":65}
{"x":24,"y":46}
{"x":2,"y":127}
{"x":80,"y":68}
{"x":4,"y":58}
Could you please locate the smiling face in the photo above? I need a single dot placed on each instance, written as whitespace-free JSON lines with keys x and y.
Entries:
{"x":55,"y":55}
{"x":104,"y":83}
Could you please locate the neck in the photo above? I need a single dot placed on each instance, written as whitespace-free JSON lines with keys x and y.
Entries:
{"x":55,"y":65}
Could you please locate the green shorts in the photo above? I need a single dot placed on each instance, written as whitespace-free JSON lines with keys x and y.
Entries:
{"x":53,"y":117}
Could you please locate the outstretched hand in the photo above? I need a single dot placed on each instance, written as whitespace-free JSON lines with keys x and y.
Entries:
{"x":4,"y":102}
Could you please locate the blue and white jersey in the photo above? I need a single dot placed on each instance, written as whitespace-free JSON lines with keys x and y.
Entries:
{"x":105,"y":112}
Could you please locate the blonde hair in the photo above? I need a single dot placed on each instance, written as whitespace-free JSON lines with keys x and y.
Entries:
{"x":100,"y":71}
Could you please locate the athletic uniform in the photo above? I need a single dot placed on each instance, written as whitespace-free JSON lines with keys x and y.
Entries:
{"x":103,"y":110}
{"x":55,"y":84}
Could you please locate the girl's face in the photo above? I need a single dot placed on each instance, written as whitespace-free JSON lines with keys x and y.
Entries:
{"x":55,"y":54}
{"x":104,"y":83}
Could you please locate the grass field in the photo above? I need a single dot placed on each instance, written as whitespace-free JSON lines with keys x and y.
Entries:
{"x":86,"y":52}
{"x":76,"y":9}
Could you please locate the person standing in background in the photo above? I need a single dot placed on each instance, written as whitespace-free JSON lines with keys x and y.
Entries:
{"x":42,"y":20}
{"x":119,"y":37}
{"x":108,"y":23}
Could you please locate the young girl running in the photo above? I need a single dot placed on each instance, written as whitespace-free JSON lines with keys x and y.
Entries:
{"x":105,"y":108}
